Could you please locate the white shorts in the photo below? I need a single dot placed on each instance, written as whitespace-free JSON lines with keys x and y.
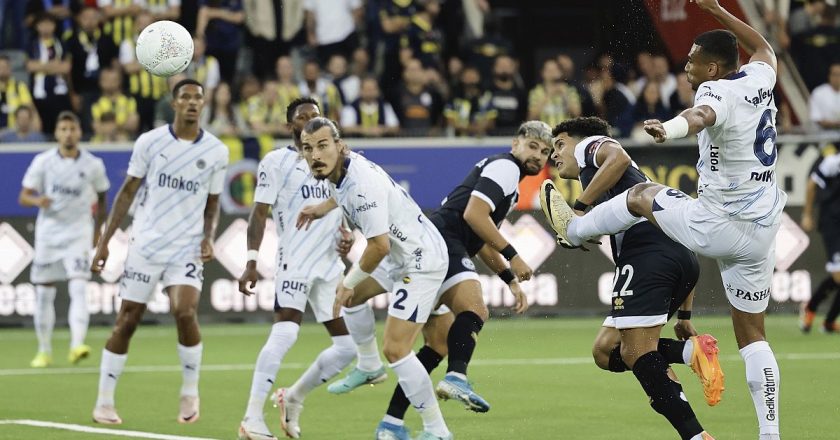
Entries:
{"x":141,"y":276}
{"x":293,"y":290}
{"x":411,"y":296}
{"x":76,"y":266}
{"x":745,"y":252}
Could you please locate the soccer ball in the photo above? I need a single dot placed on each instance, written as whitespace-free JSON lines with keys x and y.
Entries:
{"x":164,"y":48}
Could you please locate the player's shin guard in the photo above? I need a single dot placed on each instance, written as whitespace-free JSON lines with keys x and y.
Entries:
{"x":283,"y":336}
{"x":617,"y":364}
{"x":329,"y":363}
{"x":461,"y":341}
{"x":607,"y":218}
{"x":78,"y":316}
{"x":44,"y":316}
{"x":399,"y":403}
{"x":190,"y":368}
{"x":415,"y":381}
{"x":362,"y":326}
{"x":763,"y":380}
{"x":666,"y":396}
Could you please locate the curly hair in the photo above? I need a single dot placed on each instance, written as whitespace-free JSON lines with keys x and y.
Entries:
{"x":290,"y":110}
{"x":583,"y":127}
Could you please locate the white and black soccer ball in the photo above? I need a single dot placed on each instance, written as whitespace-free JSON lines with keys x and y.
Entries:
{"x":164,"y":48}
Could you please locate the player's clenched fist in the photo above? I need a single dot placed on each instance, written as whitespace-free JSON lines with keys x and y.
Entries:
{"x":206,"y":250}
{"x":248,"y":280}
{"x":99,"y":258}
{"x":520,"y":268}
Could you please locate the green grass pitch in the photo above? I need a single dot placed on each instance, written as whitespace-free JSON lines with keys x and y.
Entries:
{"x":536,"y":373}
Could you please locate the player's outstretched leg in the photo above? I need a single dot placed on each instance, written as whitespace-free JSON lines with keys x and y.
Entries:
{"x":183,"y":302}
{"x":369,"y":369}
{"x":78,"y":318}
{"x":44,"y":323}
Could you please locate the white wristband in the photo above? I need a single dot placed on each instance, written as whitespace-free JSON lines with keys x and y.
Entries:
{"x":354,"y":276}
{"x":676,"y":128}
{"x":253,"y":254}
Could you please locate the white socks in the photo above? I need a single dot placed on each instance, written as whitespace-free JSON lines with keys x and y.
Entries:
{"x":78,"y":316}
{"x":190,"y":368}
{"x":360,"y":321}
{"x":329,"y":363}
{"x":283,"y":335}
{"x":688,"y":349}
{"x":607,"y":218}
{"x":763,"y":381}
{"x":44,"y":316}
{"x":417,"y":385}
{"x":109,"y":372}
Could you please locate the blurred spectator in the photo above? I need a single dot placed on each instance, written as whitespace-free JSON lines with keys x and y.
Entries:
{"x":361,"y":63}
{"x":49,"y":69}
{"x":418,"y":107}
{"x":394,"y":19}
{"x":220,"y":22}
{"x":163,"y":9}
{"x":644,"y":71}
{"x":264,"y":114}
{"x":14,"y":32}
{"x":320,"y":88}
{"x":596,"y":76}
{"x":683,"y":97}
{"x":331,"y":27}
{"x":509,"y":100}
{"x":348,"y":84}
{"x":146,"y":88}
{"x":567,"y":66}
{"x":164,"y":113}
{"x":662,"y":75}
{"x":815,"y":49}
{"x":554,"y":100}
{"x":454,"y":67}
{"x":809,"y":16}
{"x":422,"y":37}
{"x":775,"y":14}
{"x":263,"y":21}
{"x":482,"y":52}
{"x":61,"y":10}
{"x":619,"y":100}
{"x":114,"y":101}
{"x":23,"y":130}
{"x":286,"y":85}
{"x":369,"y":115}
{"x":825,"y":101}
{"x":107,"y":130}
{"x":469,"y":113}
{"x":221,"y":117}
{"x":119,"y":18}
{"x":649,"y":106}
{"x":90,"y":51}
{"x":249,"y":87}
{"x":13,"y":94}
{"x":204,"y":68}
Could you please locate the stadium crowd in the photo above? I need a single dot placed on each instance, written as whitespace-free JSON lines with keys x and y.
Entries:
{"x":378,"y":67}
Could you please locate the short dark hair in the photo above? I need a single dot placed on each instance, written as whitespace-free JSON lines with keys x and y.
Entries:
{"x":290,"y":110}
{"x":582,"y":127}
{"x":185,"y":82}
{"x":43,"y":16}
{"x":320,"y":122}
{"x":719,"y":45}
{"x":23,"y":108}
{"x":68,"y":115}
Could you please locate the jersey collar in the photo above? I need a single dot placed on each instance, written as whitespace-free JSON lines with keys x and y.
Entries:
{"x":735,"y":75}
{"x":346,"y":167}
{"x":197,"y":139}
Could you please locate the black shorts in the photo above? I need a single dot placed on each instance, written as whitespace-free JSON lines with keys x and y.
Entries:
{"x":653,"y":277}
{"x":461,"y":266}
{"x":831,"y":240}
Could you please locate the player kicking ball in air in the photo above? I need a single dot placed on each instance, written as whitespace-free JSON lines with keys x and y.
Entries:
{"x":737,"y":213}
{"x":399,"y":236}
{"x":171,"y":237}
{"x":63,"y":183}
{"x":309,"y":269}
{"x":653,"y":277}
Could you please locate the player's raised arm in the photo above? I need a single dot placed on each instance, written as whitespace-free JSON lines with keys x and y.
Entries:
{"x":753,"y":42}
{"x":612,"y":162}
{"x":121,"y":204}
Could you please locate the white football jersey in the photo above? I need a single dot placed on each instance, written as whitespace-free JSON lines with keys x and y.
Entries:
{"x":72,"y":185}
{"x":377,"y":205}
{"x":180,"y":174}
{"x":738,"y":153}
{"x":285,"y":182}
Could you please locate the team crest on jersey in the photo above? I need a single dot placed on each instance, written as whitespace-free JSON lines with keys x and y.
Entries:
{"x":466,"y":262}
{"x":82,"y":174}
{"x":200,"y":164}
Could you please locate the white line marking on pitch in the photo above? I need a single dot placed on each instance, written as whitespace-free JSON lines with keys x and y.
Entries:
{"x":301,"y":366}
{"x":93,"y":430}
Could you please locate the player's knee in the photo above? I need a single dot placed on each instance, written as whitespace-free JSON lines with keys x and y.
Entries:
{"x":601,"y":355}
{"x":836,"y":277}
{"x":394,"y":351}
{"x":184,"y":315}
{"x":638,"y":197}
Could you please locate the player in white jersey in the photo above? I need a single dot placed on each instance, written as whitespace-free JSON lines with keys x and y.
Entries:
{"x":400,"y":240}
{"x":736,"y":216}
{"x":309,"y":268}
{"x":171,"y":237}
{"x":64,"y":183}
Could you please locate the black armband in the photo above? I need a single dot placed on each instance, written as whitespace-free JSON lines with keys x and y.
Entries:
{"x":508,"y":252}
{"x":580,"y":206}
{"x":684,"y":315}
{"x":506,"y":276}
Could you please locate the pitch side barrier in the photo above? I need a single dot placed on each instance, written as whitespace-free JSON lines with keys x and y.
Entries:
{"x":566,"y":282}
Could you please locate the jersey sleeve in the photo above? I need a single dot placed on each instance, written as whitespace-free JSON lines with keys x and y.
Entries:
{"x":498,"y":180}
{"x":138,"y":165}
{"x":267,"y":182}
{"x":100,"y":178}
{"x":217,"y":179}
{"x":763,"y":74}
{"x":712,"y":94}
{"x":370,"y":204}
{"x":586,"y":151}
{"x":34,"y":176}
{"x":827,"y":169}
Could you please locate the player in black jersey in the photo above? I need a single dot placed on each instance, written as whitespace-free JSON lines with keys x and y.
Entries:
{"x":654,"y":276}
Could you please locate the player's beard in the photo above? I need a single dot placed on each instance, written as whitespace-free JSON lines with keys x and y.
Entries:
{"x":533,"y":169}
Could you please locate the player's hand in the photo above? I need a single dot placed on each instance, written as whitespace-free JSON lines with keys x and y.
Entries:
{"x":44,"y":202}
{"x":343,"y":296}
{"x":309,"y":214}
{"x":707,"y":5}
{"x":807,"y":222}
{"x":249,"y":278}
{"x":345,"y":242}
{"x":206,"y":250}
{"x":654,"y":128}
{"x":520,"y":268}
{"x":684,"y":329}
{"x":99,"y":258}
{"x":521,"y":304}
